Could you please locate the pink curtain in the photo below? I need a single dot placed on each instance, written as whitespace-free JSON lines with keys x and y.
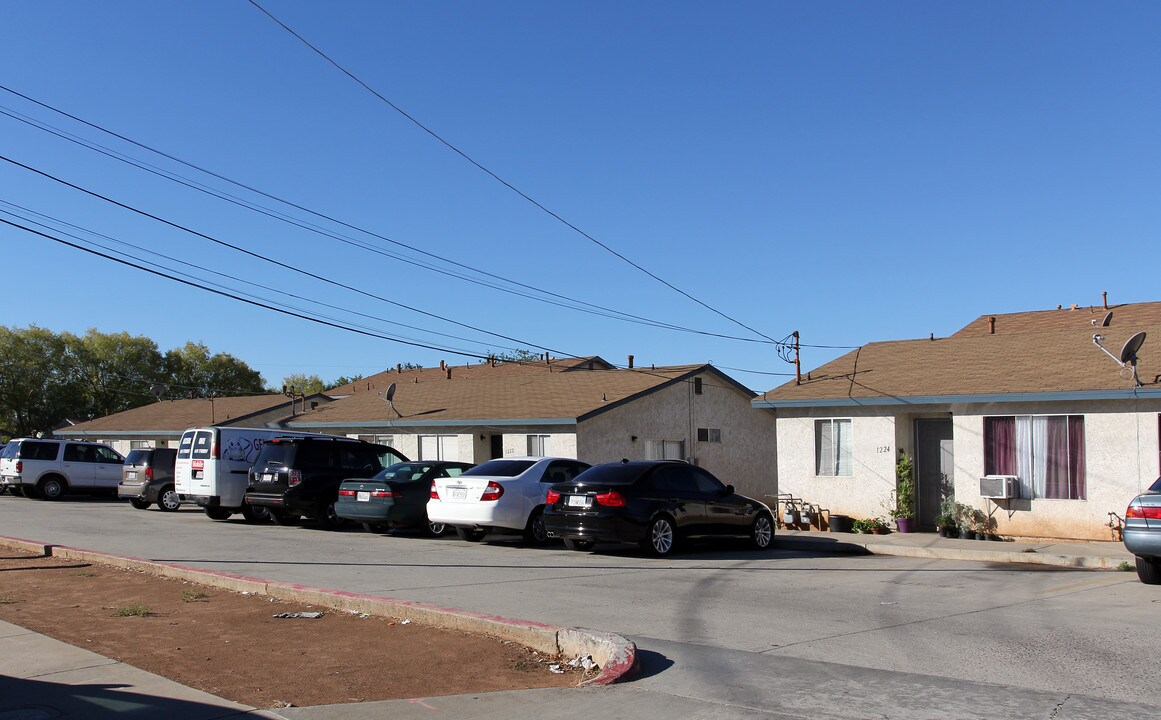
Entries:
{"x":1056,"y":465}
{"x":1000,"y":446}
{"x":1076,"y":484}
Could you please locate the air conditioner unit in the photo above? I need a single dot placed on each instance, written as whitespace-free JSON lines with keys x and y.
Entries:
{"x":1000,"y":487}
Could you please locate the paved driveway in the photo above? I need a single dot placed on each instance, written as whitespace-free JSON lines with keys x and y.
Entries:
{"x":805,"y":635}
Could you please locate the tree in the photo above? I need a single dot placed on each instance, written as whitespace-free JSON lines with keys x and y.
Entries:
{"x":115,"y":370}
{"x":300,"y":383}
{"x":38,"y":380}
{"x":344,"y":380}
{"x":194,"y":373}
{"x":517,"y":355}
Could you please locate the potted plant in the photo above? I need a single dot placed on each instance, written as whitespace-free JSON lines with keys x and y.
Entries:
{"x":878,"y":526}
{"x":947,"y":522}
{"x":904,"y":510}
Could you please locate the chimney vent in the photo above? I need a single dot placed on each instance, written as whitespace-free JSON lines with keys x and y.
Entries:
{"x":630,"y":362}
{"x":448,"y":369}
{"x":992,"y":325}
{"x":1105,"y":298}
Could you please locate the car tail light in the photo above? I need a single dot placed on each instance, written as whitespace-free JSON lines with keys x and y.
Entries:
{"x":346,"y":492}
{"x":492,"y":492}
{"x":214,"y":452}
{"x":295,"y":477}
{"x":384,"y":494}
{"x":552,"y":497}
{"x":434,"y":492}
{"x":19,"y":466}
{"x":1143,"y":512}
{"x":149,"y":473}
{"x":611,"y":499}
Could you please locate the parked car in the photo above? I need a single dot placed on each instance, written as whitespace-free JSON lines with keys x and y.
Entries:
{"x":1142,"y":533}
{"x":656,"y":504}
{"x":396,"y":497}
{"x":504,"y":495}
{"x":147,"y":478}
{"x":49,"y":468}
{"x":296,"y":477}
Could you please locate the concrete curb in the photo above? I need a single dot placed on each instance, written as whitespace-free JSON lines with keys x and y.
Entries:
{"x":615,"y":655}
{"x":1030,"y":556}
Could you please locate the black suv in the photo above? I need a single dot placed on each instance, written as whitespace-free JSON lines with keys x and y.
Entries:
{"x":297,"y":477}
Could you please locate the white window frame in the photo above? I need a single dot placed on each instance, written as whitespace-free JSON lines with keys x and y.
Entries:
{"x":444,"y":447}
{"x":659,"y":449}
{"x":833,"y":458}
{"x":539,"y":445}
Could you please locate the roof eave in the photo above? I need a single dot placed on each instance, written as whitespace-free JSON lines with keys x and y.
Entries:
{"x":1023,"y":397}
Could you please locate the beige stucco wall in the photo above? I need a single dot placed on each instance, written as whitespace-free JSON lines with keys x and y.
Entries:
{"x":746,"y":457}
{"x":559,"y":444}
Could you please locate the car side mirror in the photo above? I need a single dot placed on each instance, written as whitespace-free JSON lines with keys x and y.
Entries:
{"x":729,"y":491}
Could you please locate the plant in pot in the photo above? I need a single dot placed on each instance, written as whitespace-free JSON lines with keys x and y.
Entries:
{"x":904,"y":510}
{"x":947,"y":522}
{"x":878,"y":526}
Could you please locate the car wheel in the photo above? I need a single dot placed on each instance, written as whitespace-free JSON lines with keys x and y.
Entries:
{"x":168,"y":499}
{"x":762,"y":532}
{"x":1149,"y":570}
{"x":256,"y":515}
{"x":281,"y":517}
{"x":578,"y":545}
{"x":328,"y":519}
{"x":660,"y":538}
{"x":138,"y":503}
{"x":218,"y":513}
{"x":471,"y":534}
{"x":534,"y":533}
{"x":435,"y":529}
{"x":378,"y":528}
{"x":50,"y":488}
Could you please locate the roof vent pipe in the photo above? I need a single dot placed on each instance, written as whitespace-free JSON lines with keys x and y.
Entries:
{"x":992,"y":325}
{"x":448,"y":369}
{"x":1105,"y":298}
{"x":398,"y":367}
{"x":630,"y":362}
{"x":443,"y":365}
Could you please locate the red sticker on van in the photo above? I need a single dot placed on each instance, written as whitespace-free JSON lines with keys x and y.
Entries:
{"x":198,"y":464}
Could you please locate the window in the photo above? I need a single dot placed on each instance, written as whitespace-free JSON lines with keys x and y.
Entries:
{"x":439,"y":447}
{"x":697,"y":386}
{"x":1045,"y":451}
{"x":832,"y":447}
{"x":378,"y":439}
{"x":709,"y":435}
{"x":539,"y":445}
{"x":140,"y":444}
{"x":664,"y":449}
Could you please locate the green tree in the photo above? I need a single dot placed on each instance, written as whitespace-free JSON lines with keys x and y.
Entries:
{"x":193,"y":372}
{"x":115,"y":370}
{"x":344,"y":380}
{"x":518,"y":355}
{"x":38,"y":380}
{"x":305,"y":384}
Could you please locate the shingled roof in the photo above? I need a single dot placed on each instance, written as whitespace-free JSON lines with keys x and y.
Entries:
{"x":1041,"y":362}
{"x":1070,"y":318}
{"x":171,"y":415}
{"x":382,"y":380}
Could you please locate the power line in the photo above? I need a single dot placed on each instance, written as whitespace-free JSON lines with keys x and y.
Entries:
{"x":563,"y":300}
{"x":499,"y":179}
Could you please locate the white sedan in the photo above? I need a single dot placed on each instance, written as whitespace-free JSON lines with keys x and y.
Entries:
{"x":503,"y":495}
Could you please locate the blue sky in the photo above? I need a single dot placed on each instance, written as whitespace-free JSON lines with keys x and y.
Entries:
{"x":853,"y":171}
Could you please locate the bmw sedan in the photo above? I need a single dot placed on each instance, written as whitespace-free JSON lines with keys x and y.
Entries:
{"x":396,"y":497}
{"x":1142,"y":534}
{"x":656,"y":504}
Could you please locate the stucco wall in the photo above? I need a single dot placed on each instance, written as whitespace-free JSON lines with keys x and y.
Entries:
{"x":559,"y":444}
{"x":745,"y":458}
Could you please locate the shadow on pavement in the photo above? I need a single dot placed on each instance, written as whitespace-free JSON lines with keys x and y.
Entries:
{"x":28,"y":699}
{"x":649,"y":664}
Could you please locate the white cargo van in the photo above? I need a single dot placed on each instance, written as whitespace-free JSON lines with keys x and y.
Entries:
{"x":212,"y":466}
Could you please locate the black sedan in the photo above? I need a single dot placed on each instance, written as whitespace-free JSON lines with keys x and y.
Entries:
{"x":396,"y":497}
{"x":655,"y":503}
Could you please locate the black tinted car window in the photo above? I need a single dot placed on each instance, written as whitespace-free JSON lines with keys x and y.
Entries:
{"x":1156,"y":486}
{"x":501,"y":468}
{"x":106,"y":455}
{"x":38,"y":450}
{"x":80,"y":453}
{"x":138,"y":457}
{"x":706,"y":483}
{"x":675,"y":479}
{"x":202,"y":444}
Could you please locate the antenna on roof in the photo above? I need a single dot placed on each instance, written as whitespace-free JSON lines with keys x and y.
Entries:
{"x":1128,"y":356}
{"x":1107,"y":321}
{"x":389,"y":398}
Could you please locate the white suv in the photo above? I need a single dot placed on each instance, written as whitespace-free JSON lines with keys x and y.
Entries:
{"x":47,"y":469}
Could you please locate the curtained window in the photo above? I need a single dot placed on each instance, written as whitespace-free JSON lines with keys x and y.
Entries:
{"x":832,"y":445}
{"x":1045,"y":451}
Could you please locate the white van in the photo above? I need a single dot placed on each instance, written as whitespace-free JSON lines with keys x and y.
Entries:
{"x":212,"y":466}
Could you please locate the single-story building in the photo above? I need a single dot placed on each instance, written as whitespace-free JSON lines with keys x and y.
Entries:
{"x":1039,"y":396}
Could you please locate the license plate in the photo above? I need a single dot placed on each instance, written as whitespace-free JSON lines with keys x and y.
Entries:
{"x":131,"y":475}
{"x":363,"y":496}
{"x":460,"y":494}
{"x":581,"y":501}
{"x":267,"y":477}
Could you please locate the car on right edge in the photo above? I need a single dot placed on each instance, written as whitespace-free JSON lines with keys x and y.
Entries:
{"x":1142,"y":533}
{"x":654,"y":503}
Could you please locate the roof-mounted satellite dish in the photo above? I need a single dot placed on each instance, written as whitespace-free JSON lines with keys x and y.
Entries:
{"x":389,"y":398}
{"x":1128,"y":356}
{"x":1108,"y":319}
{"x":158,"y":390}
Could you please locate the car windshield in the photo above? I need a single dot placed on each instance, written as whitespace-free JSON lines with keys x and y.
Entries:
{"x":137,"y":457}
{"x":403,"y":471}
{"x":612,"y":474}
{"x":277,"y":453}
{"x":501,"y":468}
{"x":9,"y":451}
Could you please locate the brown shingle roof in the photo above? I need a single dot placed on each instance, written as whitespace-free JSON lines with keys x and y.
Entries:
{"x":498,"y":396}
{"x":1064,"y":319}
{"x":1029,"y":362}
{"x":169,"y":415}
{"x":380,"y":381}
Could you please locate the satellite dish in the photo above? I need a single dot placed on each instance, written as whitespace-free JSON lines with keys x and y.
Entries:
{"x":390,"y":392}
{"x":1132,"y":345}
{"x":158,"y":390}
{"x":1108,"y":319}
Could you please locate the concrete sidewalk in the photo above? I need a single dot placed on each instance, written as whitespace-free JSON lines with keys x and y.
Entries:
{"x":42,"y":678}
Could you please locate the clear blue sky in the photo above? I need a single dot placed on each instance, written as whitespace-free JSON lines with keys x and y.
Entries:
{"x":855,"y":171}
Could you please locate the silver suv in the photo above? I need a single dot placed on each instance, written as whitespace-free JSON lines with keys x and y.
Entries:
{"x":47,"y":469}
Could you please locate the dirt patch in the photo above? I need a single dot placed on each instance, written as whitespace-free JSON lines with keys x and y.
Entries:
{"x":229,"y":644}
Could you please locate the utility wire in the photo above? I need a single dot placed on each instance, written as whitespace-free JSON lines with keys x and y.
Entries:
{"x":499,"y":179}
{"x":578,"y":305}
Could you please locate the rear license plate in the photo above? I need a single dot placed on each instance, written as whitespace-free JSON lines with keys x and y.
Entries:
{"x":461,"y":494}
{"x":131,"y":475}
{"x":267,"y":477}
{"x":581,"y":501}
{"x":363,"y":496}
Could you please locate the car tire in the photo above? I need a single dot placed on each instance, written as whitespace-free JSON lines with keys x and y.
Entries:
{"x":578,"y":545}
{"x":435,"y":529}
{"x":327,"y":518}
{"x":469,"y":534}
{"x":51,"y":488}
{"x":168,"y":499}
{"x":374,"y":527}
{"x":762,"y":532}
{"x":660,"y":537}
{"x":282,"y":518}
{"x":218,"y":513}
{"x":534,"y":533}
{"x":256,"y":514}
{"x":139,"y":503}
{"x":1149,"y":570}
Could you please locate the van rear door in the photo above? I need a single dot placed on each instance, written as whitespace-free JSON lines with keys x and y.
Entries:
{"x":193,"y":471}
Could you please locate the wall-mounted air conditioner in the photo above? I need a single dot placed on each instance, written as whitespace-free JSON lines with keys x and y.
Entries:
{"x":1000,"y":487}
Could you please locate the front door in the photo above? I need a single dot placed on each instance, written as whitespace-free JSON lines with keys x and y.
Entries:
{"x":934,"y":465}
